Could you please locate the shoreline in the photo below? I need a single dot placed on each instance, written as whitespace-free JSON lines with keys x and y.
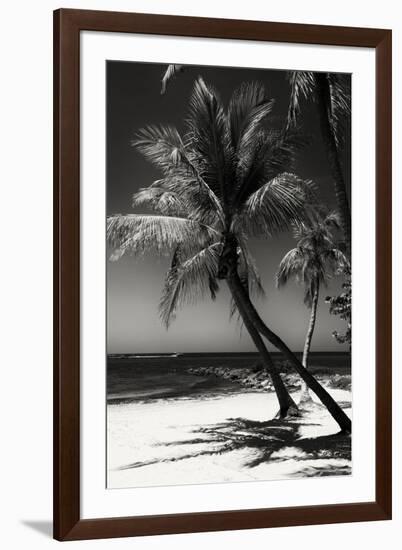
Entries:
{"x":258,"y":379}
{"x":213,"y":421}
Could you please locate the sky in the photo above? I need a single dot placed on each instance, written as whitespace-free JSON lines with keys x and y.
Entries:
{"x":134,"y":284}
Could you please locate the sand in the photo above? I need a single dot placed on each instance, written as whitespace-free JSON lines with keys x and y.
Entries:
{"x":223,"y":438}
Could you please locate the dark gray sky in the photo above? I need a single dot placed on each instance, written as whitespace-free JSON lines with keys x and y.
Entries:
{"x":134,"y":284}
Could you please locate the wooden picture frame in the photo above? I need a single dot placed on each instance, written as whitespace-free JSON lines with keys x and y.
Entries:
{"x":68,"y":524}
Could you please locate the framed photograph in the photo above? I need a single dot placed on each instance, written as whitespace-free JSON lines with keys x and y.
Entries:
{"x":222,"y":212}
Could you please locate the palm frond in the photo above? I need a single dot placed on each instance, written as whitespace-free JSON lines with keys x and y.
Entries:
{"x":161,"y":145}
{"x":207,"y":136}
{"x":271,"y":155}
{"x":194,"y":185}
{"x":160,"y":200}
{"x":332,"y":220}
{"x":248,"y":107}
{"x":300,"y":229}
{"x":283,"y":152}
{"x":213,"y":287}
{"x":290,"y":265}
{"x":337,"y":260}
{"x":318,"y":222}
{"x":302,"y":86}
{"x":189,"y":281}
{"x":171,"y":72}
{"x":339,"y":108}
{"x":179,"y":195}
{"x":275,"y":207}
{"x":137,"y":233}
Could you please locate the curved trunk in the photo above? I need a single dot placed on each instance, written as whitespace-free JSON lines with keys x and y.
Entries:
{"x":305,"y":393}
{"x":334,"y":409}
{"x":286,"y":404}
{"x":324,"y":105}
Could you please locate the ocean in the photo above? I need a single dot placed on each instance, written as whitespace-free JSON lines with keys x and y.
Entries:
{"x":132,"y":377}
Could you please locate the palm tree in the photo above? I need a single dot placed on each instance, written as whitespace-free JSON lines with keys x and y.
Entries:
{"x":330,"y":93}
{"x":223,"y":182}
{"x":315,"y":258}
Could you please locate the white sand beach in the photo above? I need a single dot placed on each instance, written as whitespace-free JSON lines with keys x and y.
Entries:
{"x":230,"y":437}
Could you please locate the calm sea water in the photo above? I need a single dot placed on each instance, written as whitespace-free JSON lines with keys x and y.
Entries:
{"x":145,"y":377}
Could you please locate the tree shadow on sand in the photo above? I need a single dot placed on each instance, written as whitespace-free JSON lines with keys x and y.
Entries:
{"x":272,"y":441}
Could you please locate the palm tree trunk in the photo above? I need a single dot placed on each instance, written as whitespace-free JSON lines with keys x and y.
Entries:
{"x":324,"y":103}
{"x":334,"y":409}
{"x":287,"y":406}
{"x":305,"y":395}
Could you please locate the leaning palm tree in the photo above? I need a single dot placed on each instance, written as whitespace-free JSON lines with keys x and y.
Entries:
{"x":330,"y":93}
{"x":224,"y":181}
{"x":312,"y":262}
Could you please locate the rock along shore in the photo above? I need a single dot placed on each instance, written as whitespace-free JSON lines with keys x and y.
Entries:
{"x":257,"y":378}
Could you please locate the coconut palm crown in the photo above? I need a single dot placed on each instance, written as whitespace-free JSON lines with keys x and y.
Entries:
{"x":316,"y":258}
{"x":225,"y":180}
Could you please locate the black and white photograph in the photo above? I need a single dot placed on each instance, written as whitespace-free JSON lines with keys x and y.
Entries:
{"x":228,"y":273}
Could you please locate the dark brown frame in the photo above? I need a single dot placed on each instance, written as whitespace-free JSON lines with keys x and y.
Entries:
{"x":67,"y":26}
